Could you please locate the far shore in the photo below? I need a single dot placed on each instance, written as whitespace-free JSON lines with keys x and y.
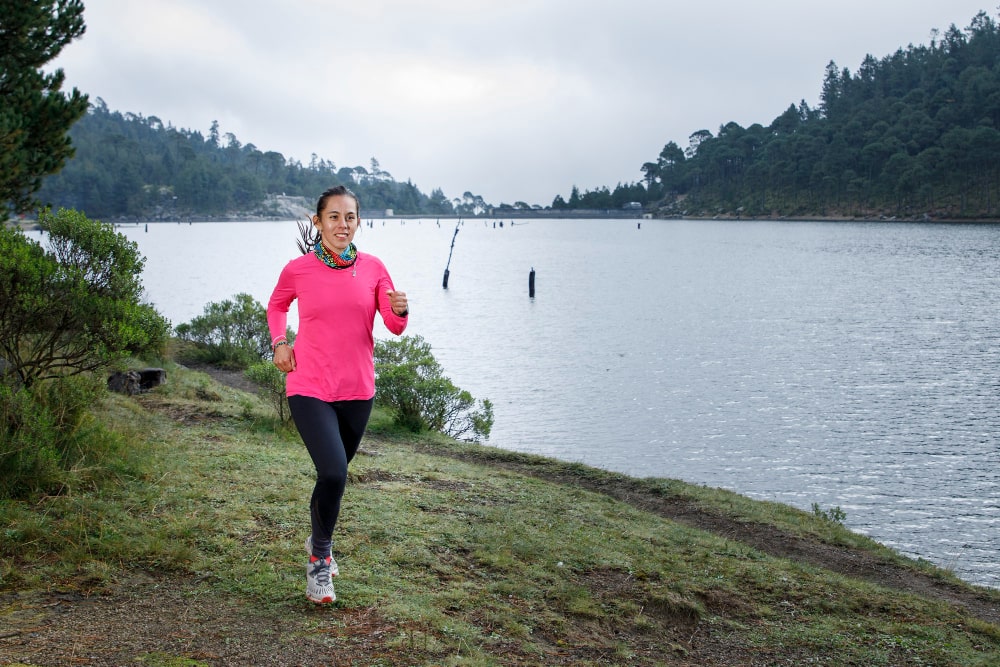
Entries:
{"x":500,"y":216}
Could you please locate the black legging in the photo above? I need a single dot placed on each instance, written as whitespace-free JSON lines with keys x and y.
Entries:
{"x":331,"y":433}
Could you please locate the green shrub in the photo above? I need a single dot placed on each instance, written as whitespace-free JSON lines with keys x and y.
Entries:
{"x":231,"y":333}
{"x":75,"y":306}
{"x":48,"y":442}
{"x":409,"y":381}
{"x":29,"y":461}
{"x":271,"y":383}
{"x":834,"y":514}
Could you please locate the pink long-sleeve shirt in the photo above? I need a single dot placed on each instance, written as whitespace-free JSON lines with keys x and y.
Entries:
{"x":334,"y":344}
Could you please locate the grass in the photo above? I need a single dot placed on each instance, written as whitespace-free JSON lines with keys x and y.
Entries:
{"x":453,"y":553}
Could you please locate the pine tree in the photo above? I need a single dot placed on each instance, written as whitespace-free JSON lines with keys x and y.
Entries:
{"x":34,"y":114}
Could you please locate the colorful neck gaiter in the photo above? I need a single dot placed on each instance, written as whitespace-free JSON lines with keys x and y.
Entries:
{"x":342,"y":261}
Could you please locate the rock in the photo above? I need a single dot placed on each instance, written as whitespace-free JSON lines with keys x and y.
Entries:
{"x":124,"y":382}
{"x":135,"y":382}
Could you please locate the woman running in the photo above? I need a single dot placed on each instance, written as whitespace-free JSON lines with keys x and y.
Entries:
{"x":331,"y":370}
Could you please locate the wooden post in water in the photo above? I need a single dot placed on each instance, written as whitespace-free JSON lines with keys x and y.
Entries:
{"x":531,"y":283}
{"x":444,"y":283}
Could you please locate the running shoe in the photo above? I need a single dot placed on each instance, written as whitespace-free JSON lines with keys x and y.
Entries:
{"x":334,"y":570}
{"x":319,"y":587}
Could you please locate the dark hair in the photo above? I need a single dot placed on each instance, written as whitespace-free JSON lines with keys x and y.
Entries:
{"x":310,"y":236}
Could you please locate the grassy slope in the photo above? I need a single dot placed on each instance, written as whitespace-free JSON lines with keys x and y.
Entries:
{"x":459,"y":554}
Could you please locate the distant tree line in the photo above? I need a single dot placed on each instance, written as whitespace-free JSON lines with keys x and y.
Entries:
{"x":135,"y":166}
{"x":602,"y":198}
{"x":915,"y":133}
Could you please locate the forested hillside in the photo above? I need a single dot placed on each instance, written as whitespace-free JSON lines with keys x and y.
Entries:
{"x":915,"y":134}
{"x":135,"y":166}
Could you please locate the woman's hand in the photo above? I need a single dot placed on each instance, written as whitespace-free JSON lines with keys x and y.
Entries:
{"x":398,"y":302}
{"x":284,"y":358}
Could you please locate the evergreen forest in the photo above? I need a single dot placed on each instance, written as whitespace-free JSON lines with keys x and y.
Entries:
{"x":913,"y":135}
{"x":131,"y":166}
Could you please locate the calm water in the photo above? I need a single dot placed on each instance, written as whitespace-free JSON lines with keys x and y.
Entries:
{"x":846,"y":364}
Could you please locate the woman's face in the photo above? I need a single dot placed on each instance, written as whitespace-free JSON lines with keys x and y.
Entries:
{"x":337,"y":222}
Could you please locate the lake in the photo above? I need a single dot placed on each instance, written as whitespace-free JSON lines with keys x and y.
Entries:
{"x":852,"y":365}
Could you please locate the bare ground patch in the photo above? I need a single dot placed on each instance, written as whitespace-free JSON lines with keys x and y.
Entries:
{"x":147,"y":619}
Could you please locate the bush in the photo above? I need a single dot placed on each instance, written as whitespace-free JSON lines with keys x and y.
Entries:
{"x":271,"y":382}
{"x":76,"y":306}
{"x":231,"y":333}
{"x":29,"y":461}
{"x":46,"y":433}
{"x":834,"y":514}
{"x":409,"y":382}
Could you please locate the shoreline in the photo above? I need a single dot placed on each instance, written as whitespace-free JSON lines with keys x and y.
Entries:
{"x":31,"y":224}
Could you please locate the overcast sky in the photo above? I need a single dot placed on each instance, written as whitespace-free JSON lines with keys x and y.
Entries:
{"x":514,"y":100}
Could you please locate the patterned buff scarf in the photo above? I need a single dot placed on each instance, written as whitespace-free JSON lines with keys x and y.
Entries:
{"x":342,"y":261}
